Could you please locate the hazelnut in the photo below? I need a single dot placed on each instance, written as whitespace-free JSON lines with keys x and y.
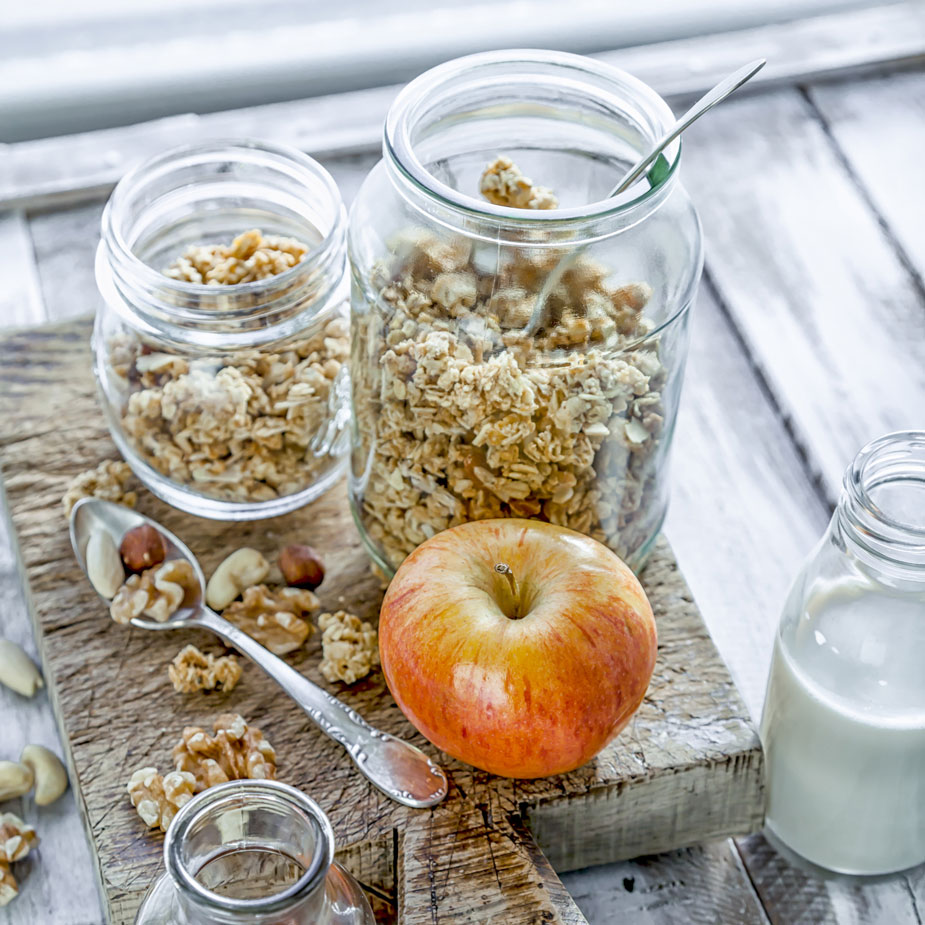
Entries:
{"x":301,"y":566}
{"x":142,"y":548}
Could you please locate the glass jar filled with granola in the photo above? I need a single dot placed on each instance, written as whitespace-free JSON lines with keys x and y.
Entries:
{"x":222,"y":339}
{"x":518,"y":347}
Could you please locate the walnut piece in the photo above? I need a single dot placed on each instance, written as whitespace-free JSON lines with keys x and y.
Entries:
{"x":157,"y":799}
{"x":503,"y":184}
{"x":250,"y":256}
{"x":237,"y":751}
{"x":17,"y":839}
{"x":157,"y":592}
{"x":193,"y":671}
{"x":107,"y":481}
{"x":274,"y":617}
{"x":350,"y":647}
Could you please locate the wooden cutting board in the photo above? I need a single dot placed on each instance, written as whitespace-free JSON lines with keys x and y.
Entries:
{"x":686,"y":770}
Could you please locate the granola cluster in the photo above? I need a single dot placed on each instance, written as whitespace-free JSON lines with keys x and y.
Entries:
{"x":17,"y":839}
{"x":503,"y":184}
{"x":249,"y":257}
{"x":469,"y":407}
{"x":193,"y":670}
{"x":240,"y":427}
{"x":108,"y":481}
{"x":349,"y":647}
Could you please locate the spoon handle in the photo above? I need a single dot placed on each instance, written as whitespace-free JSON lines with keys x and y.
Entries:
{"x":400,"y":770}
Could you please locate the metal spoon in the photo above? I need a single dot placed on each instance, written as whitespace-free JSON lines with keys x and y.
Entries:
{"x":400,"y":770}
{"x":710,"y":99}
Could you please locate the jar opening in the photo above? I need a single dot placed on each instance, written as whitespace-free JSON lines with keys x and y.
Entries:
{"x":211,"y":193}
{"x":516,"y":103}
{"x":256,"y":847}
{"x":884,"y":498}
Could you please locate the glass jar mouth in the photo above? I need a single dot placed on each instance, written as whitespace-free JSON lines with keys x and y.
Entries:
{"x":609,"y":89}
{"x":877,"y":484}
{"x":252,"y":795}
{"x":131,"y":213}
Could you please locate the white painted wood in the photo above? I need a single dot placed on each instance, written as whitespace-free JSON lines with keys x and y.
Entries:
{"x":57,"y":170}
{"x":879,"y":125}
{"x":832,"y":319}
{"x":20,"y":296}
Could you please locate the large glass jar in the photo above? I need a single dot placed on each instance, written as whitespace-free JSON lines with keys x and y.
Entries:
{"x":228,"y":399}
{"x":252,"y":853}
{"x":844,"y":718}
{"x":518,"y":361}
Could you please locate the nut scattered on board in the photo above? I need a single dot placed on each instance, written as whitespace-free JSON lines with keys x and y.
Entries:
{"x":17,"y":839}
{"x":349,"y":646}
{"x":15,"y":780}
{"x":157,"y":799}
{"x":275,"y":618}
{"x":243,"y":568}
{"x":104,"y":566}
{"x":142,"y":547}
{"x":157,"y":592}
{"x":235,"y":752}
{"x":301,"y":566}
{"x":193,"y":671}
{"x":48,"y":771}
{"x":108,"y":481}
{"x":17,"y":670}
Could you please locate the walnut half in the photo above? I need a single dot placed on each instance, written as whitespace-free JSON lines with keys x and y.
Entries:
{"x":193,"y":671}
{"x":350,"y":647}
{"x":237,"y":751}
{"x":274,"y":617}
{"x":17,"y":839}
{"x":157,"y":592}
{"x":157,"y":798}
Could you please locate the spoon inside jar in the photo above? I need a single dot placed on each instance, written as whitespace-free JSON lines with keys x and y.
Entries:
{"x":710,"y":99}
{"x":400,"y":770}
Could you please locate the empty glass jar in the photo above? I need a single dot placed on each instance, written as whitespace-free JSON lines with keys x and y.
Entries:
{"x":222,"y":338}
{"x":518,"y":361}
{"x":253,"y":853}
{"x":844,"y":719}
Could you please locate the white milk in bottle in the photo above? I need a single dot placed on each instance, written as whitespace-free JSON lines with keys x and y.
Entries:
{"x":844,"y":730}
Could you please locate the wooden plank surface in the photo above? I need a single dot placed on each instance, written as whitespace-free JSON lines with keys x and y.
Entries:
{"x":694,"y":780}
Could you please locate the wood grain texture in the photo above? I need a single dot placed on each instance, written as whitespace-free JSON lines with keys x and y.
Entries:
{"x":691,"y":741}
{"x":809,"y":277}
{"x":20,"y":298}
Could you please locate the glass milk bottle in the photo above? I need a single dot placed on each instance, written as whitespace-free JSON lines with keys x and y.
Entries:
{"x":253,"y":852}
{"x":844,"y":718}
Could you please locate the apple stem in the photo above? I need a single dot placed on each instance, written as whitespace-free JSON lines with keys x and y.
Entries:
{"x":503,"y":568}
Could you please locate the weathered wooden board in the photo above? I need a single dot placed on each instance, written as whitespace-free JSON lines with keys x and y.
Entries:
{"x":688,"y":768}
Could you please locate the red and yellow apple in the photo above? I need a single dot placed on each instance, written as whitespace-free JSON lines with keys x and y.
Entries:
{"x":517,"y":646}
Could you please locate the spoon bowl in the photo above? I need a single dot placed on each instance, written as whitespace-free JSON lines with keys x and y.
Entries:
{"x":400,"y":770}
{"x":92,"y":514}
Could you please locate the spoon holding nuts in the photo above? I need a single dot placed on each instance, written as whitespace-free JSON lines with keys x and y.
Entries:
{"x":400,"y":770}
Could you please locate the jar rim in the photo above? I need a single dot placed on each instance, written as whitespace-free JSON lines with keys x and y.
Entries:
{"x":399,"y":148}
{"x":169,"y":299}
{"x":227,"y":795}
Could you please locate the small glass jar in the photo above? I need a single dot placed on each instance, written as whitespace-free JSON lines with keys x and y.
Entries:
{"x":228,"y":401}
{"x":844,"y":718}
{"x":252,"y":853}
{"x":520,"y":362}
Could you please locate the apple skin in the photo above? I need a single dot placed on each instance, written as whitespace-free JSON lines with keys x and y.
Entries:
{"x":525,"y":697}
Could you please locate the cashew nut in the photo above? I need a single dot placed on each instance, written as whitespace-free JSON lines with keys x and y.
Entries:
{"x":243,"y":568}
{"x":50,"y":776}
{"x":104,"y":564}
{"x":15,"y":780}
{"x":17,"y":670}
